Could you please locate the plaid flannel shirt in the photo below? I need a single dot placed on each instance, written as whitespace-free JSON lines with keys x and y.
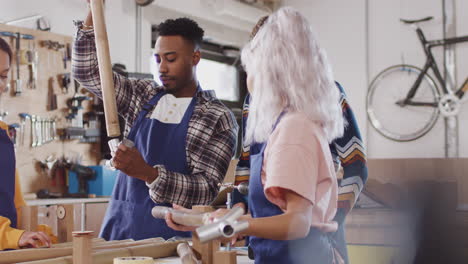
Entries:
{"x":211,"y":136}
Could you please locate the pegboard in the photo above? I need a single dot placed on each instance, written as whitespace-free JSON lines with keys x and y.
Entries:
{"x":37,"y":102}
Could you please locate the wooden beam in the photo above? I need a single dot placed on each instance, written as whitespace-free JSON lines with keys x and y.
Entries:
{"x":204,"y":250}
{"x":82,"y":245}
{"x":65,"y":222}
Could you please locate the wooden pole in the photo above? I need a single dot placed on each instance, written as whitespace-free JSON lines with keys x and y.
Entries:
{"x":105,"y":69}
{"x":82,"y":247}
{"x":28,"y":217}
{"x":65,"y":222}
{"x":155,"y":250}
{"x":205,"y":250}
{"x":66,"y":249}
{"x":186,"y":254}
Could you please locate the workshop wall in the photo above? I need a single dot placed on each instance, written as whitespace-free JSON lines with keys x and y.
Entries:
{"x":40,"y":102}
{"x":61,"y":13}
{"x":363,"y":37}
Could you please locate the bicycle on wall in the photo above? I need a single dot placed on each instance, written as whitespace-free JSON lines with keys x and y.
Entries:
{"x":404,"y":102}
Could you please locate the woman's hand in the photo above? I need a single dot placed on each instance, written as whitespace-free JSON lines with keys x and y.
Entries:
{"x":33,"y":239}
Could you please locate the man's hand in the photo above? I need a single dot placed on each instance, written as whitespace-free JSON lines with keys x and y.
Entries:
{"x":130,"y":162}
{"x":33,"y":239}
{"x":175,"y":226}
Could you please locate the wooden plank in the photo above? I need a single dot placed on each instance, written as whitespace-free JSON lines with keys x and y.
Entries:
{"x":102,"y":253}
{"x":82,"y":245}
{"x":204,"y":250}
{"x":29,"y":219}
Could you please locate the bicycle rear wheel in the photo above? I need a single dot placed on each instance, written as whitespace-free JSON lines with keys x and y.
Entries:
{"x":401,"y":123}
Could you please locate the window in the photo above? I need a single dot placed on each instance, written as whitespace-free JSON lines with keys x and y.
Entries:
{"x":220,"y":77}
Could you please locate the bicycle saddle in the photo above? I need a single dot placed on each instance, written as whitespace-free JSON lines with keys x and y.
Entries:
{"x":407,"y":21}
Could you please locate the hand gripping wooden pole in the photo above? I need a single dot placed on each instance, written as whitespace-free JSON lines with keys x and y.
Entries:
{"x":105,"y":69}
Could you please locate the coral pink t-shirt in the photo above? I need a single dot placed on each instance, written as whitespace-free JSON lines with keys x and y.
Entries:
{"x":298,"y":158}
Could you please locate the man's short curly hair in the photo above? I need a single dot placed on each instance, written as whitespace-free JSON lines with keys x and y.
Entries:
{"x":185,"y":27}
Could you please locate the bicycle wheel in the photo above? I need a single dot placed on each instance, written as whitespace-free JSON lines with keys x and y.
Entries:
{"x":401,"y":123}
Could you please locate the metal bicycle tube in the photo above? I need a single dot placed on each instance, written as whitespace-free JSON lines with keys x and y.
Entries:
{"x":418,"y":81}
{"x":436,"y":71}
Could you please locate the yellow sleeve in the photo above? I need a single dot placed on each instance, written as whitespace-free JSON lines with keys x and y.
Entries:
{"x":3,"y":126}
{"x":9,"y":236}
{"x":19,"y":200}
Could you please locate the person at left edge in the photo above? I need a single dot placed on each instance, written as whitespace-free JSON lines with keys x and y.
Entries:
{"x":184,"y":136}
{"x":11,"y":197}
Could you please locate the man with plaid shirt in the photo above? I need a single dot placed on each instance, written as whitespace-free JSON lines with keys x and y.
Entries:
{"x":184,"y":136}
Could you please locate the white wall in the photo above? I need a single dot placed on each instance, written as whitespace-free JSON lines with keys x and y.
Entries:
{"x":343,"y":32}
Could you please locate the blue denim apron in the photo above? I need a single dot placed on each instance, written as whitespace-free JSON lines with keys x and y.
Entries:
{"x":316,"y":248}
{"x":129,"y":212}
{"x":7,"y":187}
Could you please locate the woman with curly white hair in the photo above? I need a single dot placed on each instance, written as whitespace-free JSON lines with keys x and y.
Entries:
{"x":294,"y":115}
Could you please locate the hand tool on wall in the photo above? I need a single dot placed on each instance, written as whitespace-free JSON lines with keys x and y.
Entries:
{"x":66,"y":55}
{"x":105,"y":72}
{"x":13,"y":131}
{"x":18,"y":89}
{"x":54,"y":129}
{"x":50,"y":44}
{"x":64,"y":81}
{"x":52,"y":97}
{"x":76,"y":109}
{"x":33,"y":131}
{"x":17,"y":36}
{"x":3,"y":114}
{"x":23,"y":118}
{"x":38,"y":131}
{"x":30,"y":57}
{"x":48,"y":165}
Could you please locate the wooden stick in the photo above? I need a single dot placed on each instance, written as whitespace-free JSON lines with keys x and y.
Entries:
{"x":82,"y":247}
{"x":157,"y":250}
{"x":205,"y":250}
{"x":225,"y":257}
{"x":186,"y":254}
{"x":65,"y":222}
{"x":28,"y":217}
{"x":66,"y":249}
{"x":105,"y":69}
